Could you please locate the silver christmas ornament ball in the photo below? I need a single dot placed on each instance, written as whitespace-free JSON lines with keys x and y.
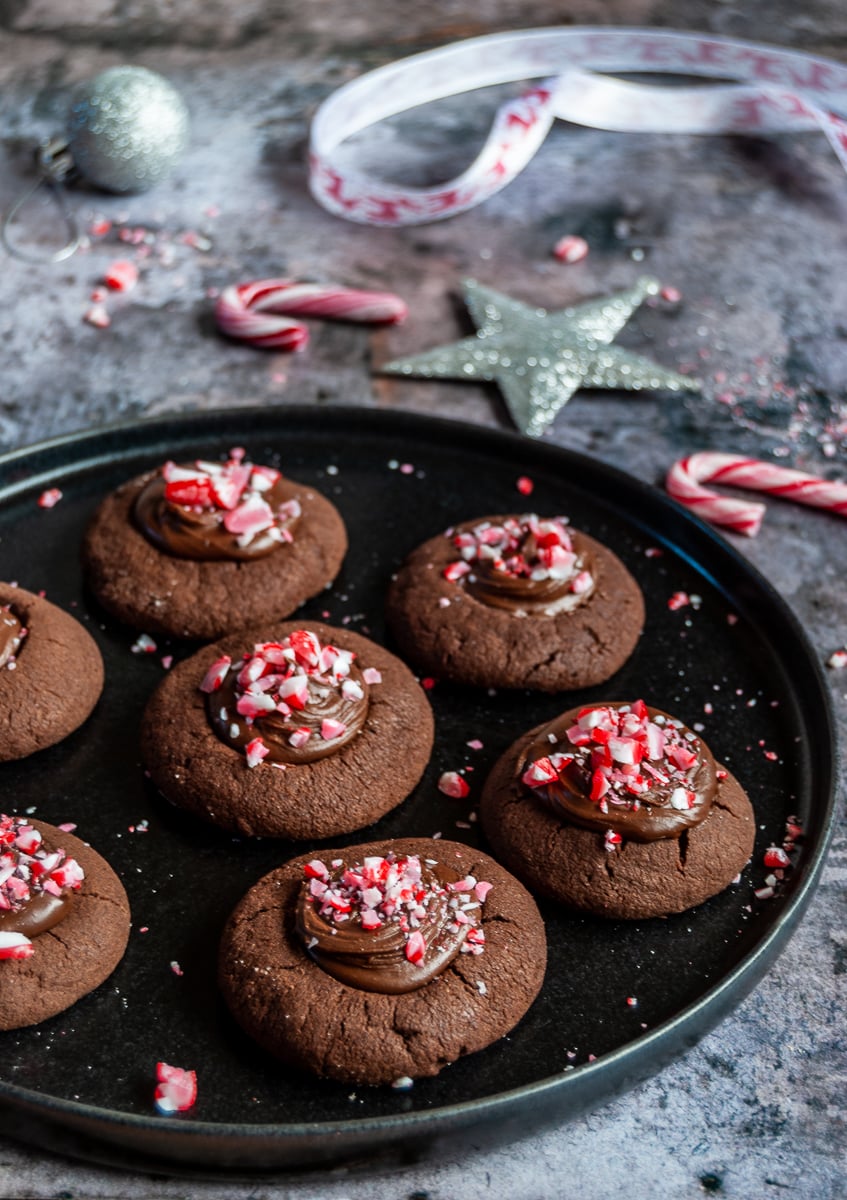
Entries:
{"x":127,"y":129}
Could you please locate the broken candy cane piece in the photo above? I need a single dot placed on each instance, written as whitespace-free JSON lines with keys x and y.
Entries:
{"x":260,"y":312}
{"x":216,"y":674}
{"x":121,"y":275}
{"x":50,"y":498}
{"x":452,"y":784}
{"x":571,"y":249}
{"x":255,"y":752}
{"x":14,"y":945}
{"x":176,"y":1089}
{"x":685,"y":477}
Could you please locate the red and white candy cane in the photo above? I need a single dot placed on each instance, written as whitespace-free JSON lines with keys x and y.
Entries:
{"x":742,"y":516}
{"x":261,"y":312}
{"x":774,"y":89}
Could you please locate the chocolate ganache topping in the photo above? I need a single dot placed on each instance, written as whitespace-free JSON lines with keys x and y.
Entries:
{"x":12,"y":633}
{"x":388,"y":924}
{"x":293,"y":701}
{"x":233,"y":511}
{"x":36,"y":886}
{"x":627,"y":768}
{"x":527,"y":565}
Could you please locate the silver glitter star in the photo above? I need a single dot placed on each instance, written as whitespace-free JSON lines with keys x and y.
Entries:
{"x":539,"y":359}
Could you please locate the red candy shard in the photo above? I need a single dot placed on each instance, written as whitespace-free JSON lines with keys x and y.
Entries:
{"x":189,"y":491}
{"x":249,"y":518}
{"x":216,"y":674}
{"x":678,"y":600}
{"x":452,"y":784}
{"x":49,"y":498}
{"x":775,"y":856}
{"x":455,"y":570}
{"x":540,"y":773}
{"x":14,"y":945}
{"x":227,"y":487}
{"x":176,"y":1089}
{"x":571,"y":248}
{"x":416,"y":947}
{"x":121,"y":275}
{"x":255,"y":752}
{"x":525,"y":485}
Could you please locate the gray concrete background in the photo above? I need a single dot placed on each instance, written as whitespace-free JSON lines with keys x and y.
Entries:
{"x":753,"y":235}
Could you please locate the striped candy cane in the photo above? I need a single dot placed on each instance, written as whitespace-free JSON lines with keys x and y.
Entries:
{"x":742,"y":516}
{"x":261,"y":312}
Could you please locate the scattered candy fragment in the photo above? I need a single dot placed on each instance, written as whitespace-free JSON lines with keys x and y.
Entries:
{"x":121,"y":275}
{"x":671,"y":294}
{"x":678,"y":600}
{"x":571,"y":249}
{"x":685,"y":477}
{"x":14,"y":945}
{"x":837,"y":660}
{"x":97,"y":316}
{"x":525,"y":485}
{"x":452,"y":784}
{"x":176,"y":968}
{"x":50,"y":498}
{"x":143,"y":645}
{"x":176,"y":1089}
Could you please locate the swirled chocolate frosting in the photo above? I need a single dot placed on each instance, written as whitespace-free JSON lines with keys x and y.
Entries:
{"x":527,"y":565}
{"x":294,"y":701}
{"x":38,"y":882}
{"x":12,"y":634}
{"x":623,"y":767}
{"x":388,"y":924}
{"x":233,"y":511}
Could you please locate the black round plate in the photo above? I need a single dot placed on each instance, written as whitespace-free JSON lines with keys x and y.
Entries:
{"x":619,"y":998}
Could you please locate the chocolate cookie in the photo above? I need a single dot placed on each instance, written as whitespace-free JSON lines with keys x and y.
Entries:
{"x":51,"y":673}
{"x":439,"y":953}
{"x":288,"y":731}
{"x":66,"y":925}
{"x":196,"y":549}
{"x":619,"y":810}
{"x":516,"y":601}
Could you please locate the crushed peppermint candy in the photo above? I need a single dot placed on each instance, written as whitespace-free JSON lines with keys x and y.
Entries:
{"x":176,"y":1089}
{"x":282,"y":697}
{"x":398,"y":891}
{"x":28,"y":870}
{"x":49,"y":498}
{"x":625,"y":755}
{"x":777,"y":860}
{"x":837,"y":660}
{"x":525,"y":547}
{"x":238,"y":492}
{"x":571,"y":248}
{"x":452,"y":784}
{"x":144,"y":644}
{"x":121,"y":275}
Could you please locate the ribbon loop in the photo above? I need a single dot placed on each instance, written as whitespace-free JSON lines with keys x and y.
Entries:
{"x":773,"y":90}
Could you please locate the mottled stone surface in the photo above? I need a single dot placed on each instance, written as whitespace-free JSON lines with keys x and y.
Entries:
{"x":751,"y":232}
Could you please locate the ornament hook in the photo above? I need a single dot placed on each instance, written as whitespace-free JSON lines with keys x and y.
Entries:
{"x":55,"y":166}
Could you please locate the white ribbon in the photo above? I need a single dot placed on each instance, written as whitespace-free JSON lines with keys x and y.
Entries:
{"x":773,"y":90}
